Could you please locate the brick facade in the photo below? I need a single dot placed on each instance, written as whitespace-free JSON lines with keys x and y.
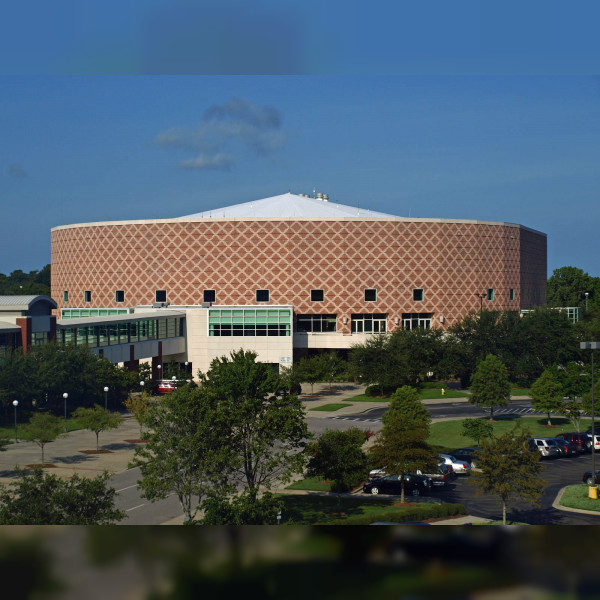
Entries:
{"x":451,"y":260}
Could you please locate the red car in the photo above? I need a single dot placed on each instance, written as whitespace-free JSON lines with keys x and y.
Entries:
{"x":166,"y":386}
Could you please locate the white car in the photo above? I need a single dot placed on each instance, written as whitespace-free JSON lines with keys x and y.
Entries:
{"x":460,"y":467}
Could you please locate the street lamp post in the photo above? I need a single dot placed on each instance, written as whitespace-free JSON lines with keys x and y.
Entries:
{"x":586,"y":297}
{"x":481,"y":297}
{"x":65,"y":396}
{"x":15,"y":404}
{"x":142,"y":383}
{"x":592,"y":346}
{"x":106,"y":397}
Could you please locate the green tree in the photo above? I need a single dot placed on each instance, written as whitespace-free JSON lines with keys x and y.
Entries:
{"x":489,"y":385}
{"x":338,"y":456}
{"x":97,"y":419}
{"x":310,"y":370}
{"x":188,"y":453}
{"x":139,"y":406}
{"x":369,"y":361}
{"x":507,"y":470}
{"x":476,"y":429}
{"x":267,"y":430}
{"x":42,"y":499}
{"x":575,"y":381}
{"x":567,"y":287}
{"x":547,"y":395}
{"x":401,"y":447}
{"x":42,"y":429}
{"x":332,"y":366}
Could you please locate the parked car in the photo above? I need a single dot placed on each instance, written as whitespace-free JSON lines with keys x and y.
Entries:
{"x":415,"y":485}
{"x":565,"y":447}
{"x":460,"y":467}
{"x":546,"y":450}
{"x":580,"y":440}
{"x":466,"y":455}
{"x":440,"y":475}
{"x":596,"y":441}
{"x":587,"y":477}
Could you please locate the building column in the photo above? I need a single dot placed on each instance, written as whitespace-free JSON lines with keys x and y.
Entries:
{"x":25,"y":324}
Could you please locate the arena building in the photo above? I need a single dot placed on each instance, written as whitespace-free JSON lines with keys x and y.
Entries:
{"x":291,"y":274}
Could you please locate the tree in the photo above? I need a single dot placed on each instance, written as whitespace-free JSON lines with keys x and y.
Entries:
{"x":369,"y":361}
{"x":310,"y":370}
{"x":42,"y":429}
{"x":489,"y":385}
{"x":547,"y":395}
{"x":267,"y":430}
{"x":508,"y":470}
{"x":188,"y":453}
{"x":97,"y":419}
{"x":476,"y":429}
{"x":338,"y":455}
{"x":401,"y":447}
{"x":574,"y":381}
{"x":567,"y":287}
{"x":42,"y":499}
{"x":139,"y":405}
{"x":332,"y":366}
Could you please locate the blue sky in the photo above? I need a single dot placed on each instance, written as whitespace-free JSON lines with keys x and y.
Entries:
{"x":451,"y":110}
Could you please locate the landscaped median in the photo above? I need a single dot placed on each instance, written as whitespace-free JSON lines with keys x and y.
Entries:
{"x":577,"y":497}
{"x":323,"y":509}
{"x":424,"y":394}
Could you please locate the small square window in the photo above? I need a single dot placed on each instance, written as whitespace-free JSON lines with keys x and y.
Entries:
{"x":119,"y":296}
{"x":262,"y":295}
{"x":317,"y":296}
{"x":512,"y":293}
{"x":87,"y":296}
{"x":490,"y":295}
{"x":418,"y":295}
{"x":209,"y":296}
{"x":370,"y":295}
{"x":65,"y":296}
{"x":160,"y":296}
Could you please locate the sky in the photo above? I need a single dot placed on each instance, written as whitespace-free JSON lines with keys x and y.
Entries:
{"x":164,"y":113}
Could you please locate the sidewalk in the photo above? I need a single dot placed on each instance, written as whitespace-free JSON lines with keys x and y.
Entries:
{"x":66,"y":453}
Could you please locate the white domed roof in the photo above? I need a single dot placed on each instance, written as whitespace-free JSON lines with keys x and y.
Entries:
{"x":288,"y":205}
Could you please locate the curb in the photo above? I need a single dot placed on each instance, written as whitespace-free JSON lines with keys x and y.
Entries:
{"x":556,"y":504}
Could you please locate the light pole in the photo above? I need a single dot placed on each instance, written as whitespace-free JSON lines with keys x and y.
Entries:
{"x":65,"y":396}
{"x":586,"y":297}
{"x":158,"y":368}
{"x":142,"y":383}
{"x":481,"y":297}
{"x":593,"y":491}
{"x":106,"y":397}
{"x":15,"y":404}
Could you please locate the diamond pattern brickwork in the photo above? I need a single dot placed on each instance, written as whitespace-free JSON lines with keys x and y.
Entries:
{"x":451,"y":261}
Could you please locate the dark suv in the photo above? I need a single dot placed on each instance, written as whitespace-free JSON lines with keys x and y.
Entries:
{"x":413,"y":484}
{"x":580,"y":440}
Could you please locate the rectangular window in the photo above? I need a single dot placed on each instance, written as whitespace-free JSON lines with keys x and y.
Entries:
{"x":249,"y":322}
{"x":490,"y":294}
{"x":371,"y":295}
{"x":65,"y":296}
{"x":369,"y":323}
{"x":87,"y":296}
{"x":316,"y":323}
{"x":119,"y":296}
{"x":418,"y":295}
{"x":262,"y":295}
{"x":209,"y":296}
{"x":160,"y":296}
{"x":317,"y":296}
{"x":512,"y":293}
{"x":416,"y":320}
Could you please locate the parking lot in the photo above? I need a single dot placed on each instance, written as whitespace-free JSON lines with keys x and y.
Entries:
{"x":558,"y":473}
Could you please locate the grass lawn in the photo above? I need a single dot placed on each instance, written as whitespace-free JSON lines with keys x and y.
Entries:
{"x":576,"y":496}
{"x":520,"y":391}
{"x":362,"y":509}
{"x":447,"y":434}
{"x":329,"y":407}
{"x":9,"y":431}
{"x":313,"y":484}
{"x":424,"y":394}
